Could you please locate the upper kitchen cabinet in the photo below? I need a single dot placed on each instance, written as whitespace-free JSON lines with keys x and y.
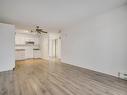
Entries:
{"x":29,"y":39}
{"x":19,"y":40}
{"x":23,"y":38}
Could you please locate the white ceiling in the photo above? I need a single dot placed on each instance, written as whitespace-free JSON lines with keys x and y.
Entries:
{"x":52,"y":14}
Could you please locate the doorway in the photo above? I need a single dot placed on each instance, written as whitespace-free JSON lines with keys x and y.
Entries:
{"x":54,"y":46}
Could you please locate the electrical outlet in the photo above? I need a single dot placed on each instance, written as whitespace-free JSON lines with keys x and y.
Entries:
{"x":122,"y":75}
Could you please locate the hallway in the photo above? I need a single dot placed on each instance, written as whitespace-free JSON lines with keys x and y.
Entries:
{"x":39,"y":77}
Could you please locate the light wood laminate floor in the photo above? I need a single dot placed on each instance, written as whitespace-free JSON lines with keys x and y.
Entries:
{"x":39,"y":77}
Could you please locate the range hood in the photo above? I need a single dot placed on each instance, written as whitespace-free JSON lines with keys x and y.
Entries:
{"x":29,"y":43}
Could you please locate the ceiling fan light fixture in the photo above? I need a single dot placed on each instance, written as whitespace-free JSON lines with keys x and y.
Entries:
{"x":39,"y":30}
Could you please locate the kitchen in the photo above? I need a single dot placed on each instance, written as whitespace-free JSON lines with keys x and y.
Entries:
{"x":27,"y":45}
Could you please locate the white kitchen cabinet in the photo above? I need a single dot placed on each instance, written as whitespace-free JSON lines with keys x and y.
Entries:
{"x":30,"y":39}
{"x":36,"y":40}
{"x":29,"y":52}
{"x":22,"y":38}
{"x":22,"y":41}
{"x":36,"y":54}
{"x":19,"y":40}
{"x":20,"y":54}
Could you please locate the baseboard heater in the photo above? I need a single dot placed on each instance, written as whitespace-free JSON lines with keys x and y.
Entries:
{"x":122,"y":75}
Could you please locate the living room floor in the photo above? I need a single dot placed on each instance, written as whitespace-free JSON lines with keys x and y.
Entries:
{"x":41,"y":77}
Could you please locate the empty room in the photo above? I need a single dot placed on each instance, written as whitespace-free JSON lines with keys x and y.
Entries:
{"x":63,"y":47}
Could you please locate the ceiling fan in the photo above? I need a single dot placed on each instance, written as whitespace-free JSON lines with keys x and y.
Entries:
{"x":38,"y":30}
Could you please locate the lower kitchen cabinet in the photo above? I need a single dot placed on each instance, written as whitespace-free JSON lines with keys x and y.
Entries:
{"x":20,"y":54}
{"x":28,"y":53}
{"x":36,"y":53}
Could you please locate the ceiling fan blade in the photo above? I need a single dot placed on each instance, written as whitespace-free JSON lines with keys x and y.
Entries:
{"x":44,"y":31}
{"x":39,"y":30}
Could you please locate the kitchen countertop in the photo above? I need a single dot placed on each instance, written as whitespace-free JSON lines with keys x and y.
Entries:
{"x":20,"y":49}
{"x":36,"y":49}
{"x":24,"y":49}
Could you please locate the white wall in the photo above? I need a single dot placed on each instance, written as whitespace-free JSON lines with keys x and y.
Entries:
{"x":98,"y":43}
{"x":7,"y":47}
{"x":44,"y":46}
